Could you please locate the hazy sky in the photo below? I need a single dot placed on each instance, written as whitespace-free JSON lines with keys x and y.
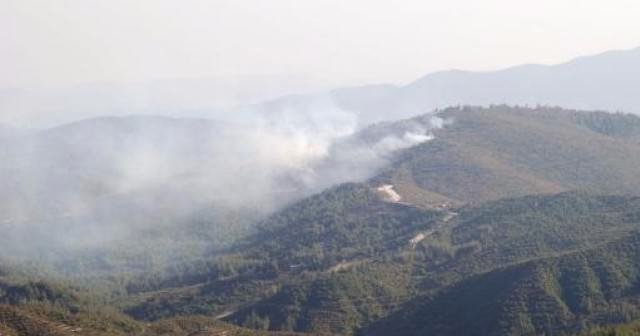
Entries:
{"x":45,"y":42}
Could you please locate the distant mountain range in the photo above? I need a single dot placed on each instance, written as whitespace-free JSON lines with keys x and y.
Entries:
{"x":608,"y":81}
{"x":179,"y":97}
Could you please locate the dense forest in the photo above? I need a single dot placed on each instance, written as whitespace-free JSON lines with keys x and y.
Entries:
{"x":512,"y":221}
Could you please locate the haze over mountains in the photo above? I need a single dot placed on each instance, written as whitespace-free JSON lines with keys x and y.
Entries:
{"x":608,"y":81}
{"x":98,"y":183}
{"x":358,"y":211}
{"x":179,"y":97}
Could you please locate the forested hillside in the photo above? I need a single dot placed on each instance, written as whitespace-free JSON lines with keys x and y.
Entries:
{"x":28,"y":309}
{"x":312,"y":291}
{"x":629,"y":329}
{"x":329,"y":168}
{"x":546,"y":296}
{"x":492,"y":153}
{"x":346,"y":258}
{"x":511,"y":221}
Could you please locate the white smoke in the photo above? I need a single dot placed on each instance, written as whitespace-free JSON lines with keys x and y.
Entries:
{"x":108,"y":183}
{"x":393,"y":143}
{"x":362,"y":155}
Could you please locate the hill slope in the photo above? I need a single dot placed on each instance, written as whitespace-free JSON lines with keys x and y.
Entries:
{"x":545,"y":296}
{"x":297,"y":281}
{"x":444,"y":218}
{"x":322,"y":264}
{"x":28,"y":309}
{"x":491,"y":153}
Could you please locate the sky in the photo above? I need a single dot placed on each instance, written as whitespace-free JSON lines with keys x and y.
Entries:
{"x":56,"y":43}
